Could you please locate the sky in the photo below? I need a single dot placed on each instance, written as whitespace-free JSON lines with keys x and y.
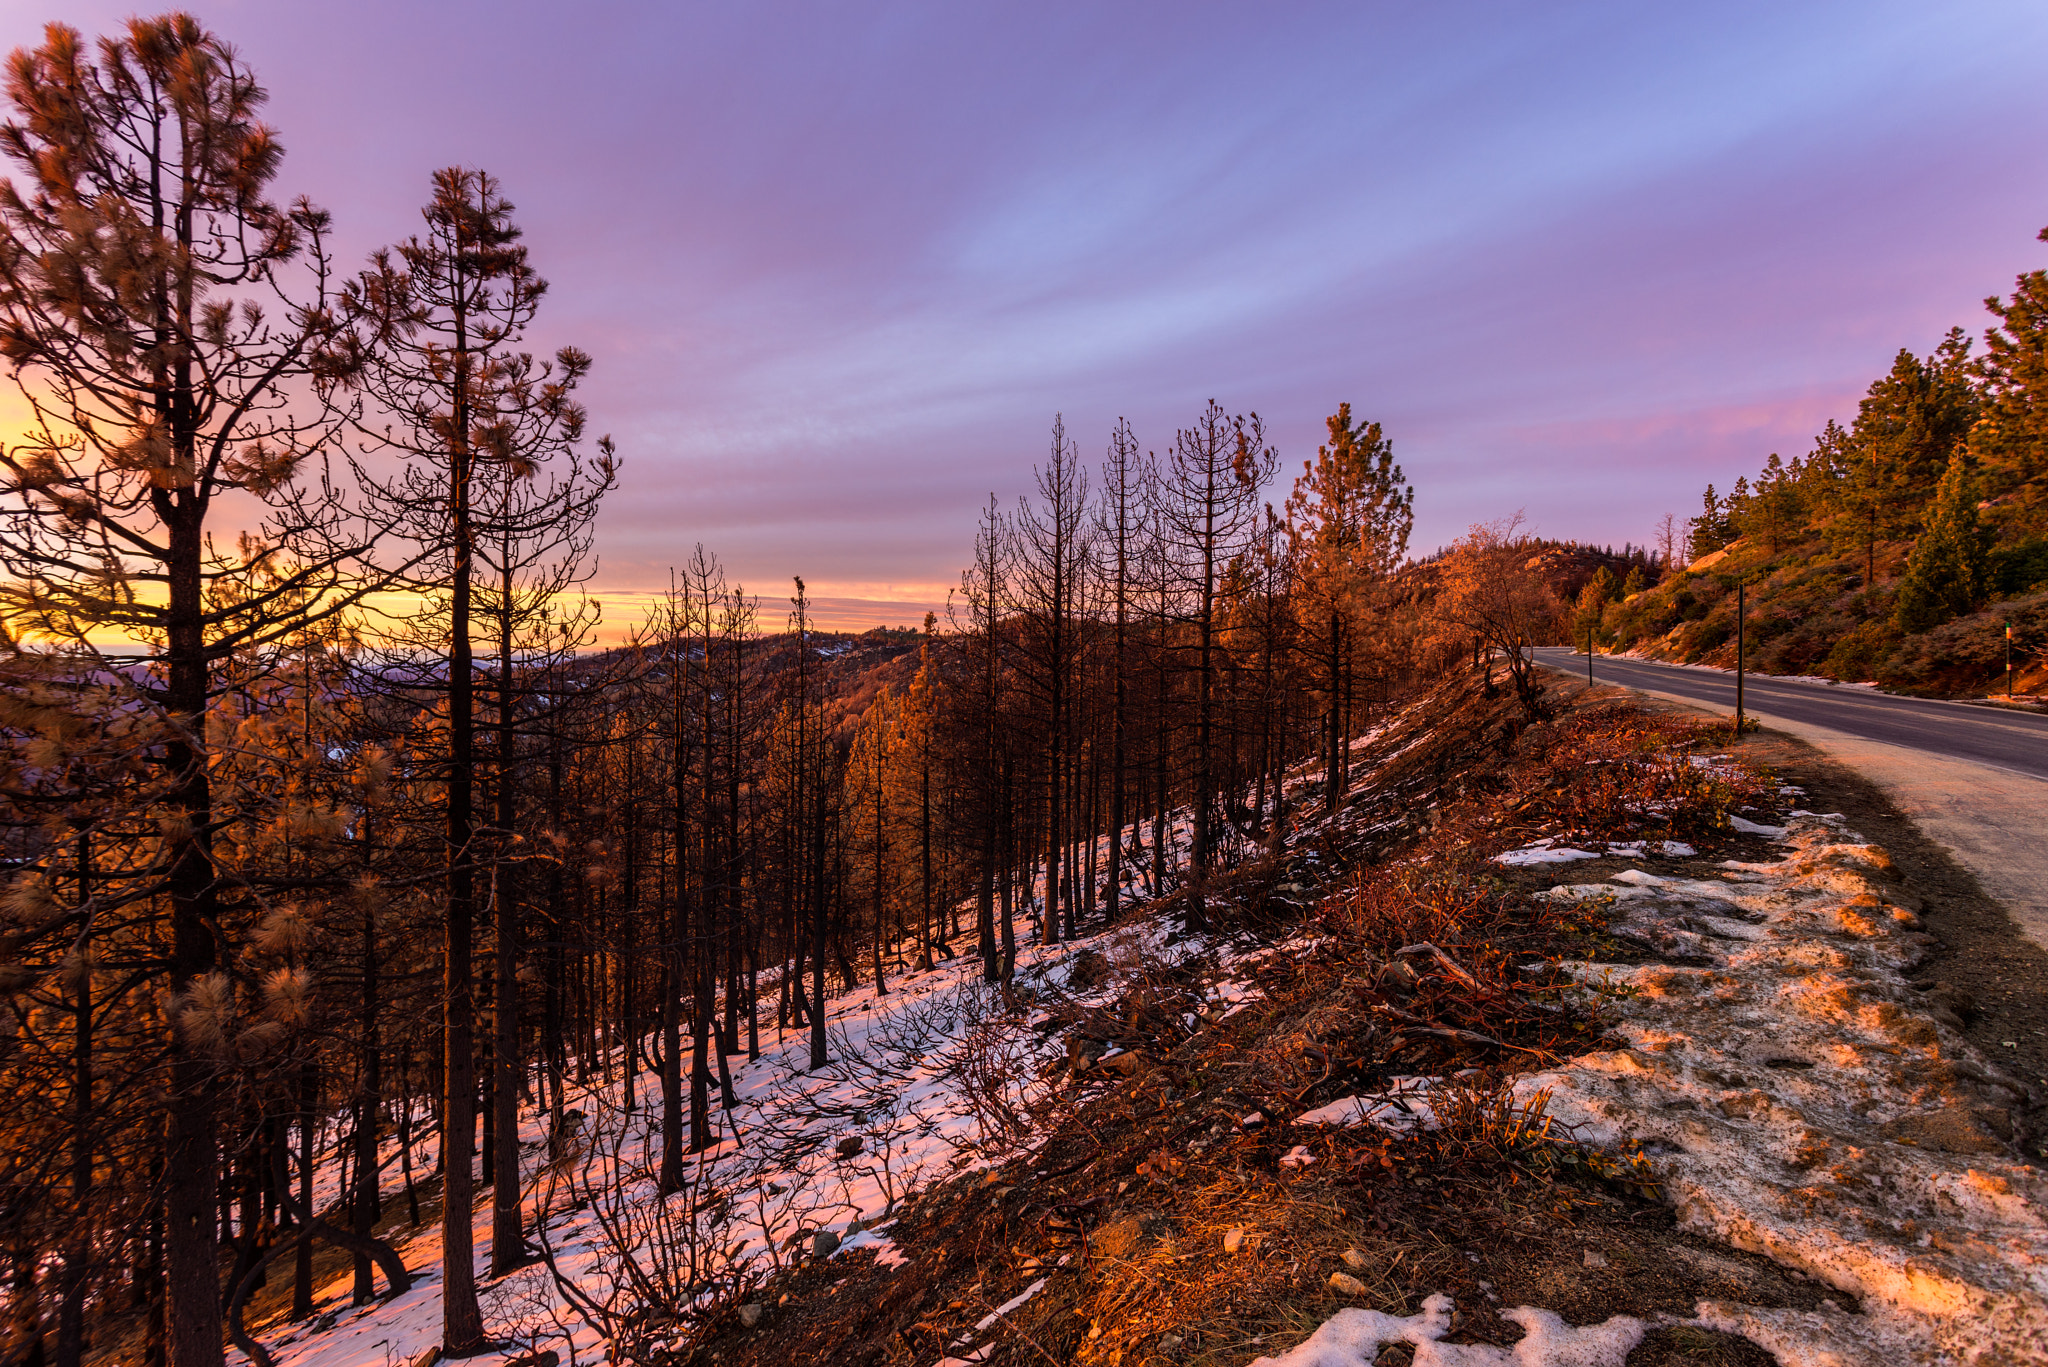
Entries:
{"x":840,"y":264}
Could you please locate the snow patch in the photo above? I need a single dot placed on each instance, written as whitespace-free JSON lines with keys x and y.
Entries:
{"x":1402,"y":1108}
{"x":886,"y":1252}
{"x":1537,"y":854}
{"x":1353,"y":1338}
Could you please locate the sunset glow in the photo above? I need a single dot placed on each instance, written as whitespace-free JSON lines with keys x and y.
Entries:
{"x":840,"y":267}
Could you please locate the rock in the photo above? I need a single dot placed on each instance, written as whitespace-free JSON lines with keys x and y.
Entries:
{"x":428,"y":1358}
{"x":1355,"y":1257}
{"x":1345,"y":1284}
{"x":1233,"y":1240}
{"x":855,"y":1226}
{"x":824,"y":1244}
{"x":750,"y":1314}
{"x":849,"y":1146}
{"x":1594,"y":1259}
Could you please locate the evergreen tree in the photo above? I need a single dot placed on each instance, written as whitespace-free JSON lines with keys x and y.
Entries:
{"x":170,"y":328}
{"x":1586,"y":616}
{"x":1947,"y":572}
{"x":1710,"y":531}
{"x":1879,"y":475}
{"x":2010,"y":443}
{"x":1209,"y":508}
{"x":440,"y":318}
{"x":1775,"y":513}
{"x":1348,"y":521}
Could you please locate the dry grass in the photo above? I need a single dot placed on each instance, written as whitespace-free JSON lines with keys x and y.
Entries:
{"x":1619,"y":771}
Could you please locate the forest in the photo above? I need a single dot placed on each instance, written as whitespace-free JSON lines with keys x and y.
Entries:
{"x":339,"y":841}
{"x":328,"y":829}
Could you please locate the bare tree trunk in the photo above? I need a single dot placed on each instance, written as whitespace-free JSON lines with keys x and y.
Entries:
{"x":369,"y":1098}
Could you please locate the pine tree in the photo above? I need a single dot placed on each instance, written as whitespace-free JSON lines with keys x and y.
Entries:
{"x":1127,"y":482}
{"x":171,"y":330}
{"x":440,"y":319}
{"x":1947,"y":573}
{"x":1349,"y":517}
{"x":1591,"y":608}
{"x":1877,"y":477}
{"x":1052,"y":560}
{"x":1709,"y":531}
{"x":2010,"y":443}
{"x":1209,"y":509}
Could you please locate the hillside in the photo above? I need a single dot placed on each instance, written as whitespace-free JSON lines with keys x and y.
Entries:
{"x":1807,"y":612}
{"x":1898,"y":549}
{"x":1582,"y":1023}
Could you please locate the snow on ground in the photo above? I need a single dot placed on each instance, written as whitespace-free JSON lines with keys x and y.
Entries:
{"x":1401,"y":1108}
{"x":930,"y":1079}
{"x":1798,"y":1099}
{"x":1354,"y":1337}
{"x":1793,"y":1095}
{"x":1541,"y":853}
{"x":1639,"y":849}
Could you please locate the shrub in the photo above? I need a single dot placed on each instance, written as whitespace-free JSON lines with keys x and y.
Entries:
{"x":2015,"y":569}
{"x":1856,"y":656}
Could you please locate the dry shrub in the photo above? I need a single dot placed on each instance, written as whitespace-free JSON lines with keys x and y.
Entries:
{"x":1615,"y":767}
{"x":1481,"y":1123}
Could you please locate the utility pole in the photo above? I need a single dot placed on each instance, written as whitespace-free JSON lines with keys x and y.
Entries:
{"x":1589,"y":657}
{"x":1738,"y":659}
{"x":2008,"y":661}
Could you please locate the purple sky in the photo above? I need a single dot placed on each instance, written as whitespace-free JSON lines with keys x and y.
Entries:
{"x":839,"y":264}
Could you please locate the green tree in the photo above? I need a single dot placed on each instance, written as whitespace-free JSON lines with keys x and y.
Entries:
{"x":1947,"y":572}
{"x":1591,"y":607}
{"x":1884,"y":469}
{"x":2010,"y":443}
{"x":1775,"y":513}
{"x":1710,"y":530}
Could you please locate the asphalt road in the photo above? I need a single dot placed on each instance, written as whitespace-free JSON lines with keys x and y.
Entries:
{"x":2016,"y":742}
